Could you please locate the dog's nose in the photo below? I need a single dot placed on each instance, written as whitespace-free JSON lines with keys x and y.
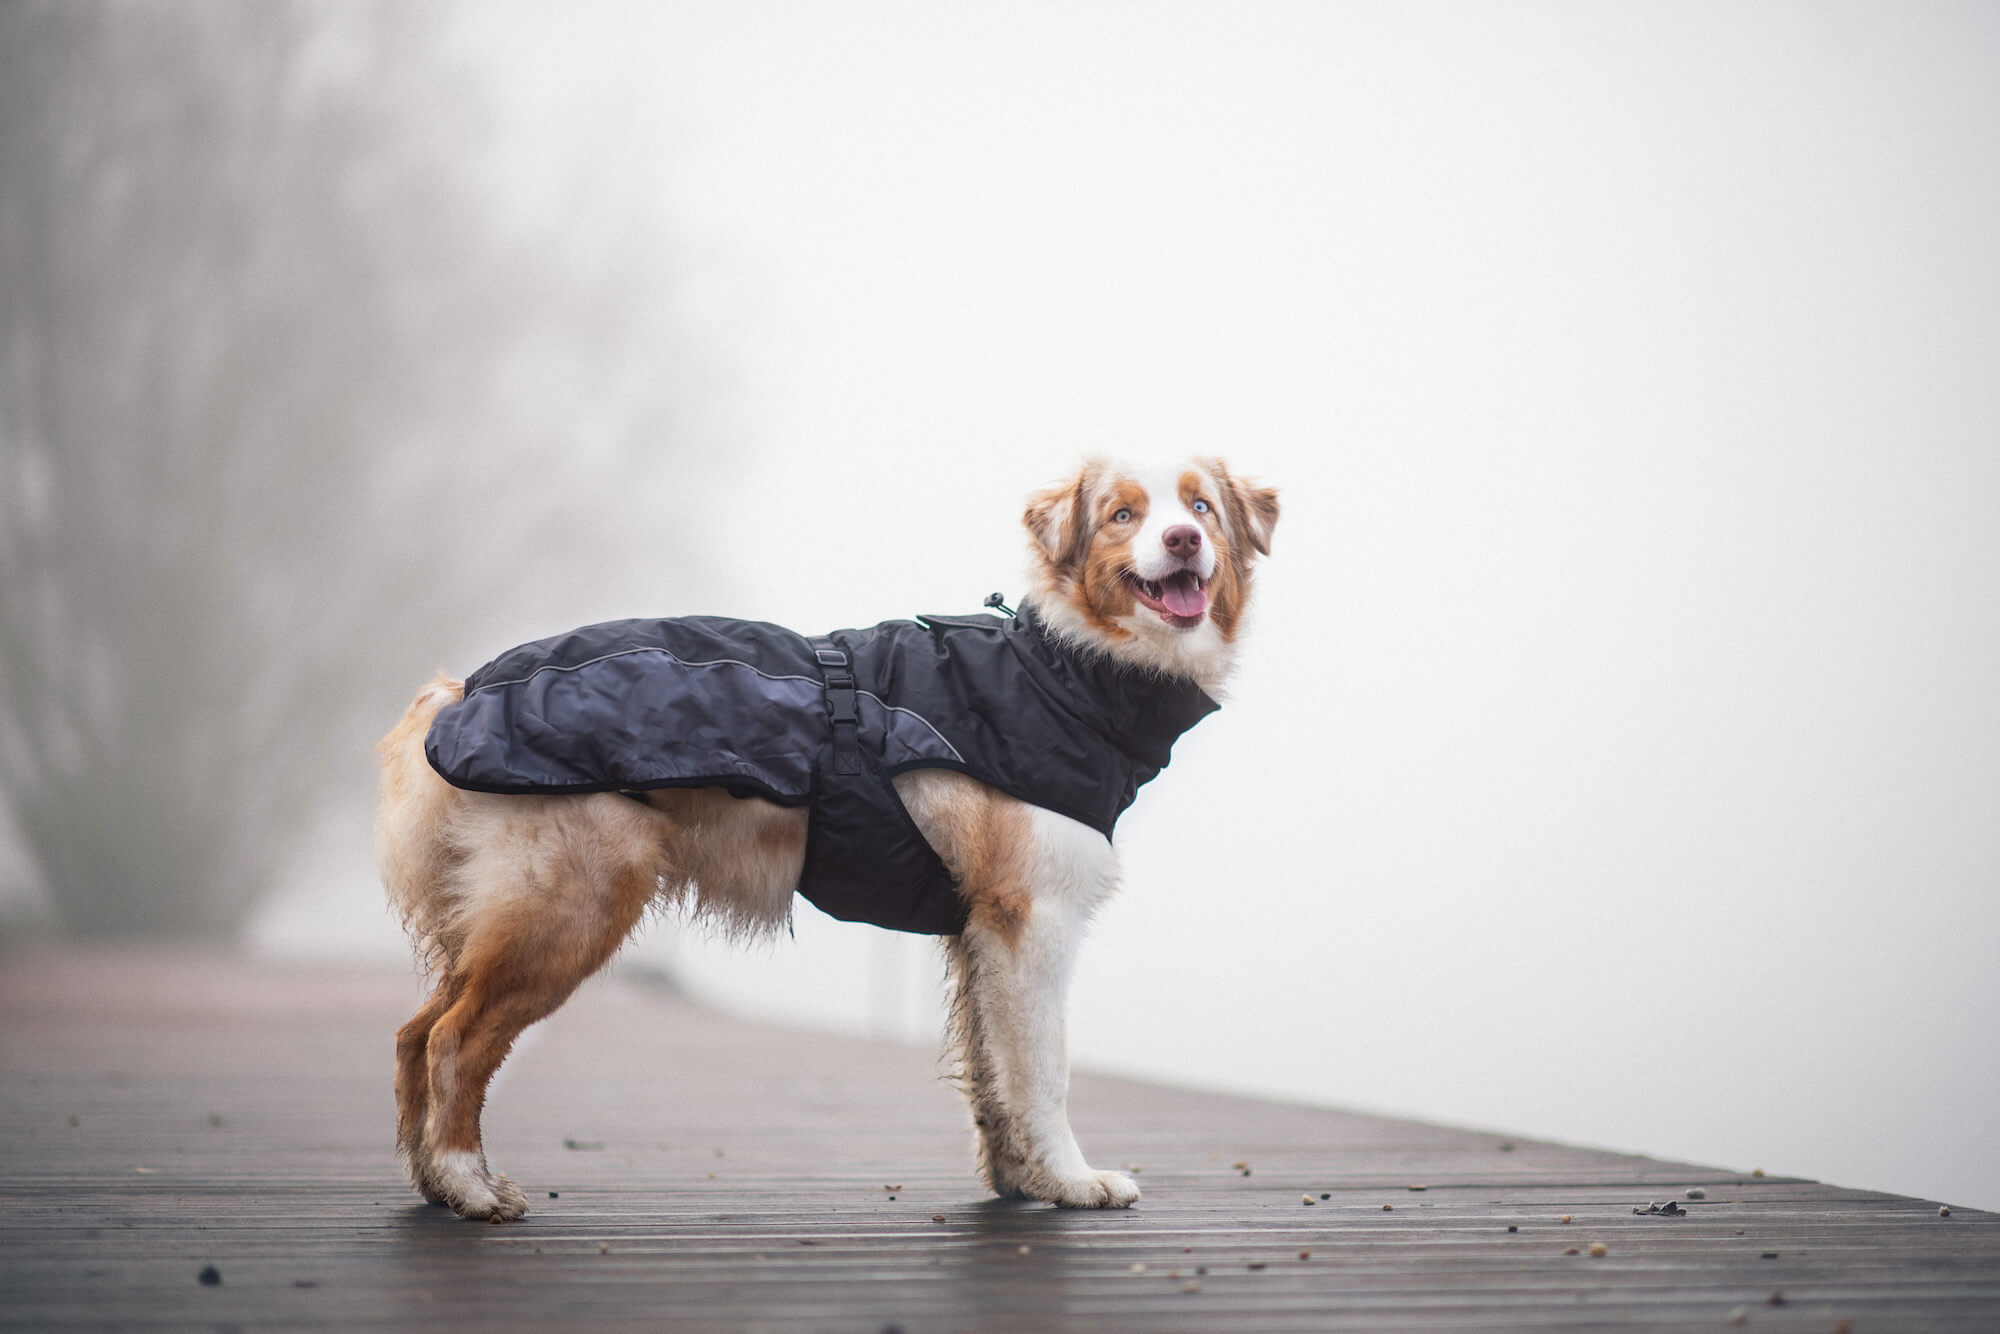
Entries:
{"x":1182,"y":540}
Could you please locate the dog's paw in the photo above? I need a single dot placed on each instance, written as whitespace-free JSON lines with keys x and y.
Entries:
{"x":513,"y":1200}
{"x":496,"y":1200}
{"x":464,"y":1183}
{"x":1092,"y":1190}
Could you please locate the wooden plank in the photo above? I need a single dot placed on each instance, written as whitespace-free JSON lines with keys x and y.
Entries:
{"x":163,"y":1112}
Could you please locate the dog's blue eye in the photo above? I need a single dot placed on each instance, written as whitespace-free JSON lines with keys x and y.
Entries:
{"x":1201,"y":507}
{"x":1121,"y":516}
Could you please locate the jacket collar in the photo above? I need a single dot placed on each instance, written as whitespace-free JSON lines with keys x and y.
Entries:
{"x":1142,"y":713}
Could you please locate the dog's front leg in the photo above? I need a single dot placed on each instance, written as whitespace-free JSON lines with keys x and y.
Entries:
{"x":1012,"y":966}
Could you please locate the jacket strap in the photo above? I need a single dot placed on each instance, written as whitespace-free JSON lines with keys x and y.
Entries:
{"x":841,"y":705}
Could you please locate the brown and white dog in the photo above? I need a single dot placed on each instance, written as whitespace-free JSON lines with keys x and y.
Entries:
{"x":516,"y":900}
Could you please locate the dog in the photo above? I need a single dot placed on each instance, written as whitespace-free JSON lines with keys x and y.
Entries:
{"x":1139,"y":574}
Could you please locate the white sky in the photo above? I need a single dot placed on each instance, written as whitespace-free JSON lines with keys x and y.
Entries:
{"x":1617,"y":755}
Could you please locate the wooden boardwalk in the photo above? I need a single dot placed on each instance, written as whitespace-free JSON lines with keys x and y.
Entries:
{"x":165,"y":1115}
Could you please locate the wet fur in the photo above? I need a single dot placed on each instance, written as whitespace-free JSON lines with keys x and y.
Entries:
{"x":514,"y":900}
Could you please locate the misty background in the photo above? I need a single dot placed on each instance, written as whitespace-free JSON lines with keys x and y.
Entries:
{"x":1616,"y":752}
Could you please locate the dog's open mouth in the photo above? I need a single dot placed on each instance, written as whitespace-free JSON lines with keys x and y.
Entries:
{"x":1181,"y":598}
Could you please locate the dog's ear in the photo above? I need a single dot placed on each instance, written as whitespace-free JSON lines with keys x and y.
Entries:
{"x":1253,"y":510}
{"x":1058,"y":519}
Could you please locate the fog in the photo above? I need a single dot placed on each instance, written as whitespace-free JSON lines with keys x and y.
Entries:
{"x":1615,"y":756}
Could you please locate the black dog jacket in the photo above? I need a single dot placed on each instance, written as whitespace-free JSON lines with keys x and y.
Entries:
{"x":703,"y":701}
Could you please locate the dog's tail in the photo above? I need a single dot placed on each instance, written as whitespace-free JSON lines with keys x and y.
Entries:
{"x":413,"y":819}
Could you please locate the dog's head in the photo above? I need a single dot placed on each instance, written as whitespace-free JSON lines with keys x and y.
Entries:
{"x":1151,"y":563}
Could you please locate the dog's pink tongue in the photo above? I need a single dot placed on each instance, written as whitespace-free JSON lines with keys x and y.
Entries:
{"x":1183,"y":596}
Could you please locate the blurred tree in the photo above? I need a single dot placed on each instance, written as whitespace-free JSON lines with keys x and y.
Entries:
{"x":262,"y":425}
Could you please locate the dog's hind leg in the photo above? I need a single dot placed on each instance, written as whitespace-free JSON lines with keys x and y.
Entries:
{"x":464,"y":1050}
{"x":575,"y":891}
{"x":413,"y":1086}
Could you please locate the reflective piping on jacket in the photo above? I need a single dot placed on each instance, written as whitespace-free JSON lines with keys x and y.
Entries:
{"x":897,"y":708}
{"x":628,"y":652}
{"x":671,"y":656}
